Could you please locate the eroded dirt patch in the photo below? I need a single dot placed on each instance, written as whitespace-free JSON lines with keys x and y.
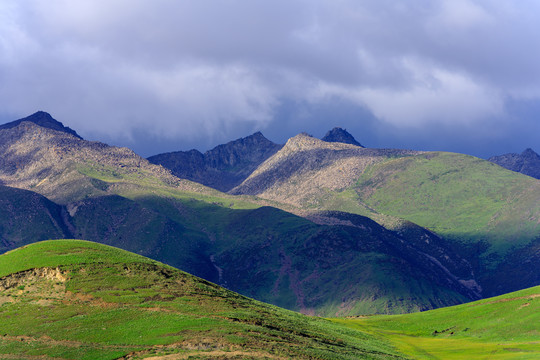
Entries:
{"x":45,"y":285}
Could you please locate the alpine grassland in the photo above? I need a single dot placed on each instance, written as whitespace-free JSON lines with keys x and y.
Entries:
{"x":457,"y":196}
{"x":503,"y":327}
{"x":73,"y":299}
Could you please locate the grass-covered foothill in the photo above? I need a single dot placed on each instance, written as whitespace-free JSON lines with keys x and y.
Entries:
{"x":72,"y":299}
{"x":503,"y":327}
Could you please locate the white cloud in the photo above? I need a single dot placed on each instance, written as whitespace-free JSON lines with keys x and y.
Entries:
{"x":436,"y":95}
{"x":461,"y":15}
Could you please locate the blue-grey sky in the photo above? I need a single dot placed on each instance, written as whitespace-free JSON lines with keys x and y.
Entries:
{"x":164,"y":75}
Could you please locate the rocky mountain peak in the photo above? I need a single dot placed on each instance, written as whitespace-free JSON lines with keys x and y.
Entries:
{"x":530,"y":153}
{"x":222,"y":167}
{"x":528,"y":162}
{"x":338,"y":134}
{"x":43,"y":119}
{"x":304,"y":141}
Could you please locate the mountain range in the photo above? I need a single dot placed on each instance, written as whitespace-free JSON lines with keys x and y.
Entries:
{"x":294,"y":225}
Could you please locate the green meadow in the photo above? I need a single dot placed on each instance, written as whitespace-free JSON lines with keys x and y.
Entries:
{"x":503,"y":327}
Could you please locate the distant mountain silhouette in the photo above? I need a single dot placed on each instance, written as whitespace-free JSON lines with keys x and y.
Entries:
{"x":338,"y":134}
{"x":528,"y":162}
{"x":42,"y":119}
{"x":223,"y":167}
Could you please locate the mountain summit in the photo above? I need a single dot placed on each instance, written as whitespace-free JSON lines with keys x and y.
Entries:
{"x":42,"y":119}
{"x":528,"y":162}
{"x":338,"y":134}
{"x":223,"y":167}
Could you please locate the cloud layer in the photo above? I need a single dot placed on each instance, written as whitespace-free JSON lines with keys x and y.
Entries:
{"x":200,"y":72}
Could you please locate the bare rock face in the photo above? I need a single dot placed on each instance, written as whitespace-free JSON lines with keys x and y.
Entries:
{"x":528,"y":162}
{"x":223,"y":167}
{"x":56,"y":163}
{"x":306,"y":167}
{"x":340,"y":135}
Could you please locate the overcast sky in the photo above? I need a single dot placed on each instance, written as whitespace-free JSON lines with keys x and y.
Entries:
{"x":165,"y":75}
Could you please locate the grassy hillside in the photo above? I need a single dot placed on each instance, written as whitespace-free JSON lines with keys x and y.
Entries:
{"x":68,"y":299}
{"x":487,"y":214}
{"x":503,"y":327}
{"x":457,"y":196}
{"x":468,"y":200}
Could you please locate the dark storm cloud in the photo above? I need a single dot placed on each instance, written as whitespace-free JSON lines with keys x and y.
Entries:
{"x":195,"y":73}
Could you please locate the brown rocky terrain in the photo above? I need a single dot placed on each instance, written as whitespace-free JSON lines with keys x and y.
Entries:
{"x":42,"y":119}
{"x":55,"y":163}
{"x":306,"y":168}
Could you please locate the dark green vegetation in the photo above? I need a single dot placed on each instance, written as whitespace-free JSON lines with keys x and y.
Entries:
{"x":278,"y":257}
{"x":26,"y":217}
{"x":69,"y":299}
{"x":503,"y":327}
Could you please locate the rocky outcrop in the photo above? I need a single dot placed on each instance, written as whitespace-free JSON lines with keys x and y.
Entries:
{"x":16,"y":279}
{"x":528,"y":162}
{"x":340,"y":135}
{"x":223,"y":167}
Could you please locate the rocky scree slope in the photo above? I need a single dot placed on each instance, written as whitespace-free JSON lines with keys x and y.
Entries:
{"x":306,"y":169}
{"x":64,"y":168}
{"x":223,"y":167}
{"x":527,"y":163}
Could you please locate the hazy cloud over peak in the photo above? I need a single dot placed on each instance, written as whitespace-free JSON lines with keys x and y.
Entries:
{"x":196,"y":73}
